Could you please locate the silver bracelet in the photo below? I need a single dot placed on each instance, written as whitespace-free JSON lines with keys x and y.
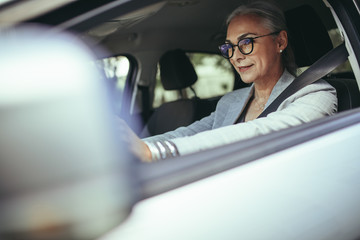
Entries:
{"x":155,"y":153}
{"x":172,"y":148}
{"x":162,"y":149}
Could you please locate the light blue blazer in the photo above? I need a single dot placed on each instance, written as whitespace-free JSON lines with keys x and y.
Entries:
{"x":311,"y":102}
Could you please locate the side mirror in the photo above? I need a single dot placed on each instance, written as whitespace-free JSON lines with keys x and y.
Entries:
{"x":64,"y":174}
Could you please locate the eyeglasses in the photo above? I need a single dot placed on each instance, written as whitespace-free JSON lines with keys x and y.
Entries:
{"x":245,"y":45}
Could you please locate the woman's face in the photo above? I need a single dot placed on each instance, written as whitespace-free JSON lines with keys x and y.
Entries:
{"x":265,"y":60}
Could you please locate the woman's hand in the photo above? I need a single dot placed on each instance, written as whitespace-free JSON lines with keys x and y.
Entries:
{"x":135,"y":144}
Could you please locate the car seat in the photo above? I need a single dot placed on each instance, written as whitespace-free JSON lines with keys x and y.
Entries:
{"x":177,"y":73}
{"x":310,"y":41}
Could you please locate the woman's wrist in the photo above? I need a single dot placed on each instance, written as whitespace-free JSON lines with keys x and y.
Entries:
{"x":146,"y":155}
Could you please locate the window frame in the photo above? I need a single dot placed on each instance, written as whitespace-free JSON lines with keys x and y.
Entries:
{"x":164,"y":176}
{"x":348,"y":21}
{"x":130,"y":83}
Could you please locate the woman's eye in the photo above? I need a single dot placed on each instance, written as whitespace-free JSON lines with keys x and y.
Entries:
{"x":245,"y":41}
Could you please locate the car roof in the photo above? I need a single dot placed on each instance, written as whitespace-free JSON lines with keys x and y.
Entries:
{"x":136,"y":26}
{"x":194,"y":25}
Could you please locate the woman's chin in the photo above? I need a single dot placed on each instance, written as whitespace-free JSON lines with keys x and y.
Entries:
{"x":247,"y":79}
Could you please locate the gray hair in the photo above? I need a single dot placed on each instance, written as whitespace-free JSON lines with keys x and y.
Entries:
{"x":273,"y":19}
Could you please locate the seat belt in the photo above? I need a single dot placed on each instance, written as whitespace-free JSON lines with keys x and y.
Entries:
{"x":319,"y":69}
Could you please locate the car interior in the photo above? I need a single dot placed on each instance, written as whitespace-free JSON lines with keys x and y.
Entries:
{"x":161,"y":29}
{"x":309,"y":38}
{"x":160,"y":36}
{"x":178,"y":73}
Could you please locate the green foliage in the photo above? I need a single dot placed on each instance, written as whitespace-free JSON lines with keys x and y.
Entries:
{"x":217,"y":61}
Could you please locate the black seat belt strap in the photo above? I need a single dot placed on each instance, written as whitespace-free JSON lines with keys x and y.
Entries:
{"x":319,"y":69}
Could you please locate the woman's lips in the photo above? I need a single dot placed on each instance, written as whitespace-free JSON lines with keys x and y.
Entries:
{"x":244,"y":68}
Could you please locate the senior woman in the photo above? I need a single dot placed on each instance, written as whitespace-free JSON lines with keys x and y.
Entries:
{"x":257,"y":46}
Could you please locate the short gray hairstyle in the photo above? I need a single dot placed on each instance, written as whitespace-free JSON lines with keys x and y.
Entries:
{"x":273,"y":20}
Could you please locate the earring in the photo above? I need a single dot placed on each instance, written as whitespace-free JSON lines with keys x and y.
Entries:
{"x":281,"y":50}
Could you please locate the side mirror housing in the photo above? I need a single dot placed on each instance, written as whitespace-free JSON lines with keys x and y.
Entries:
{"x":64,"y":173}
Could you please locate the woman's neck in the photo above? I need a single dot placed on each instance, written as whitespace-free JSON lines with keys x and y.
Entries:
{"x":263,"y":89}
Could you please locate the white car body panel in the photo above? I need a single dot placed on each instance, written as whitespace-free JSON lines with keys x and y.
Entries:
{"x":310,"y":191}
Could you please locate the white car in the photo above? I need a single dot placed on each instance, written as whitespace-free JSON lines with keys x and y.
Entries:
{"x":67,"y":66}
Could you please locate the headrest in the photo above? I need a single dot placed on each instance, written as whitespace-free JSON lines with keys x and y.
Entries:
{"x":308,"y":36}
{"x":176,"y":70}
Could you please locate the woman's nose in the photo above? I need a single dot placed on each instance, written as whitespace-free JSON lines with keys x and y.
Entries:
{"x":237,"y":56}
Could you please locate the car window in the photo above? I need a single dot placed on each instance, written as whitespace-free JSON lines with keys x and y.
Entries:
{"x":116,"y":69}
{"x":336,"y":40}
{"x":343,"y":69}
{"x":215,"y":78}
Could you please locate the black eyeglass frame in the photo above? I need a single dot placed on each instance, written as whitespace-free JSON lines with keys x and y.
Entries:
{"x":252,"y":44}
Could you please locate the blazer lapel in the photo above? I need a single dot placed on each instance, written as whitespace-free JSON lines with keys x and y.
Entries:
{"x":284,"y":81}
{"x":236,"y":108}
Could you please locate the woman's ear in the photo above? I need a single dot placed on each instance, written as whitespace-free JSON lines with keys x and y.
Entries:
{"x":282,"y":40}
